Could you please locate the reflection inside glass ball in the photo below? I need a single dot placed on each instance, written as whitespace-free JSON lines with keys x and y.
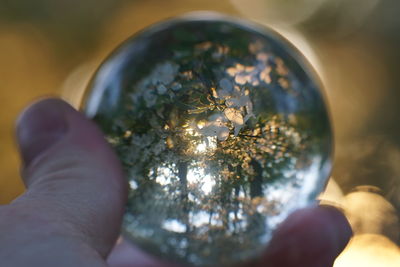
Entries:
{"x":222,"y":131}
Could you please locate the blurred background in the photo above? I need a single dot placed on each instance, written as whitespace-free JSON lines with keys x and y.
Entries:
{"x":51,"y":47}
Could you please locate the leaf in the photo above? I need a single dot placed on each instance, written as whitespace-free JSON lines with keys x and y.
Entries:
{"x":234,"y":115}
{"x":161,"y":89}
{"x":223,"y":133}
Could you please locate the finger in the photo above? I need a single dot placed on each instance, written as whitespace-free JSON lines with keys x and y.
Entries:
{"x":126,"y":254}
{"x":311,"y":237}
{"x":74,"y":180}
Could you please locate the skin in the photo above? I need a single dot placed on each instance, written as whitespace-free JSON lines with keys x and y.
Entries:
{"x":71,"y":212}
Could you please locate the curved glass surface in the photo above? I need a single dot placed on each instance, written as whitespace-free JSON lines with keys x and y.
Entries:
{"x":222,"y":130}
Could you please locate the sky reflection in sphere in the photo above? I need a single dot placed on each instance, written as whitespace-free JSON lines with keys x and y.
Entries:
{"x":222,"y":131}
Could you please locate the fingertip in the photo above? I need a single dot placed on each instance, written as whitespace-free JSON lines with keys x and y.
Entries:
{"x":126,"y":254}
{"x":310,"y":237}
{"x":338,"y":224}
{"x":40,"y":126}
{"x":72,"y":174}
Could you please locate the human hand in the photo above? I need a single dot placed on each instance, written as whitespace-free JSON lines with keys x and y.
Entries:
{"x":71,"y":212}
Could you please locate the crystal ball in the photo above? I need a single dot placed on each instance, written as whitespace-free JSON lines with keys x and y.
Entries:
{"x":222,"y":129}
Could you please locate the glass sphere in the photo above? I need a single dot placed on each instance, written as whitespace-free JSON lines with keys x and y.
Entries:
{"x":222,"y":130}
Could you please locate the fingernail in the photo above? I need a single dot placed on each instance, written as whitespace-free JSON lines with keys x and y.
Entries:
{"x":39,"y":127}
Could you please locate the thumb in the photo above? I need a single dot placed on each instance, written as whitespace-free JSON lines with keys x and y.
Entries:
{"x":74,"y":180}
